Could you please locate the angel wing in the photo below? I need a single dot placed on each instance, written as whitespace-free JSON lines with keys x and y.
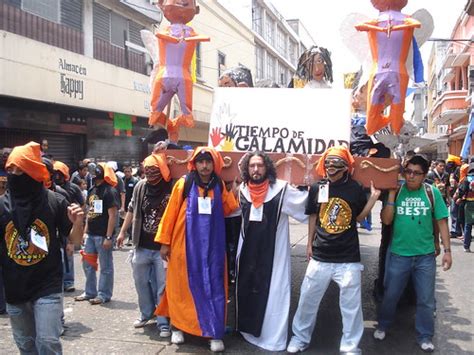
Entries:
{"x":358,"y":44}
{"x":151,"y":44}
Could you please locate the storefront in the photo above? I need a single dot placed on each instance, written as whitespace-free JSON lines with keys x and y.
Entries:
{"x":84,"y":107}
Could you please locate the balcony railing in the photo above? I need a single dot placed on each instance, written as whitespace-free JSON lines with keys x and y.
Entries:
{"x":13,"y":19}
{"x":450,"y":107}
{"x":128,"y":59}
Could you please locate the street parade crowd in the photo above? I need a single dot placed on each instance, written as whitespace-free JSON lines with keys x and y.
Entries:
{"x":196,"y":237}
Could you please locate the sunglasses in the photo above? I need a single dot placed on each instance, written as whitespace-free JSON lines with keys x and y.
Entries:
{"x":413,"y":172}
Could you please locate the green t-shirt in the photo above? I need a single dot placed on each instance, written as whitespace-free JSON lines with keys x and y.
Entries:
{"x":413,"y":223}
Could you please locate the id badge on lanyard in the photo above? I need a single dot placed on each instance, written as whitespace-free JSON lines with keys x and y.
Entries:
{"x":256,"y":214}
{"x":204,"y":205}
{"x":323,"y":193}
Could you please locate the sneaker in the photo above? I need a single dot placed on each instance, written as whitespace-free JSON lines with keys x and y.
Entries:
{"x":379,"y":334}
{"x":295,"y":347}
{"x":216,"y":345}
{"x":467,"y":250}
{"x":177,"y":337}
{"x":140,"y":323}
{"x":165,"y":330}
{"x":427,"y":346}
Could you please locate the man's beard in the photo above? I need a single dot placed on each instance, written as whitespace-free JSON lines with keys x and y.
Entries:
{"x":258,"y":180}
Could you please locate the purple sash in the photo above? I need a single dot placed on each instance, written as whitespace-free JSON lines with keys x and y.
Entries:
{"x":205,"y":255}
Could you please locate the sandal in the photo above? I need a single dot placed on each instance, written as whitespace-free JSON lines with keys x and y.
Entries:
{"x":82,"y":297}
{"x":96,"y":300}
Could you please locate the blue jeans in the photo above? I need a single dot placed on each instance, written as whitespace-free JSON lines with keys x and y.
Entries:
{"x":68,"y":276}
{"x":36,"y":325}
{"x":149,"y":276}
{"x":422,"y":269}
{"x":467,"y":235}
{"x":455,"y":225}
{"x":93,"y":245}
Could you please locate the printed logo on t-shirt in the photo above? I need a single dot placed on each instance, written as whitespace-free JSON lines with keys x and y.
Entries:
{"x":25,"y":252}
{"x":152,"y":216}
{"x":335,"y":216}
{"x":413,"y":206}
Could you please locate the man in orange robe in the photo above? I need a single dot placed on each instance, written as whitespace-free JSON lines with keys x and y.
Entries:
{"x":192,"y":238}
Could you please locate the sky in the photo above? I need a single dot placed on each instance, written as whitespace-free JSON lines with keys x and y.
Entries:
{"x":323,"y":19}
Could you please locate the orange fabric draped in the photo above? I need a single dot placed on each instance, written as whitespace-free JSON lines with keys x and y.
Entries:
{"x":463,"y":172}
{"x":91,"y":259}
{"x":28,"y":158}
{"x":63,"y":168}
{"x":216,"y":157}
{"x":158,"y":160}
{"x":258,"y":192}
{"x":341,"y":152}
{"x":109,"y":175}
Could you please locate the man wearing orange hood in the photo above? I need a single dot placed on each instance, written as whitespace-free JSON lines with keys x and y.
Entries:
{"x":145,"y":210}
{"x":335,"y":205}
{"x":32,"y":221}
{"x":192,"y":238}
{"x":103,"y":201}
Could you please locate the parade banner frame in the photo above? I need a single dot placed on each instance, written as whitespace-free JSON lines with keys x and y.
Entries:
{"x":291,"y":121}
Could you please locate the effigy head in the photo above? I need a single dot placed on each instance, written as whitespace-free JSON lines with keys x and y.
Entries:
{"x":315,"y":64}
{"x":385,"y":5}
{"x":179,"y":11}
{"x":239,"y":76}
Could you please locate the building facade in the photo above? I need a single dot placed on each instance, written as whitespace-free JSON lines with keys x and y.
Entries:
{"x":75,"y":72}
{"x":278,"y":42}
{"x":451,"y":83}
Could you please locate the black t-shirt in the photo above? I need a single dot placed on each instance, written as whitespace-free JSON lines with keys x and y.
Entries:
{"x":74,"y":192}
{"x":155,"y":199}
{"x":99,"y":200}
{"x":337,"y":240}
{"x":29,"y":272}
{"x":129,"y":186}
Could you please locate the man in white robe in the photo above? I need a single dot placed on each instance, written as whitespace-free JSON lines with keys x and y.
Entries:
{"x":263,"y":255}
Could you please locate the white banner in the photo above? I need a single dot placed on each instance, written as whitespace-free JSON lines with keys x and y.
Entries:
{"x":306,"y":121}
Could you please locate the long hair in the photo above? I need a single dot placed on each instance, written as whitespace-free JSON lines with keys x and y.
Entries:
{"x":305,"y":63}
{"x":270,"y":167}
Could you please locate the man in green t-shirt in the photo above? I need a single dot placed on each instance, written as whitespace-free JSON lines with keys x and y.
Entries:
{"x":412,"y":252}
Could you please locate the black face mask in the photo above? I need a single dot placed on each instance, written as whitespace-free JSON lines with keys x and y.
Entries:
{"x":58,"y":179}
{"x":23,"y":185}
{"x":98,"y":175}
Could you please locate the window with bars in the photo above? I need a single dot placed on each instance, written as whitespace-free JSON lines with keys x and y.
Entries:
{"x":270,"y":30}
{"x":271,"y":63}
{"x":220,"y":64}
{"x":281,"y":41}
{"x":198,"y":60}
{"x":47,"y":9}
{"x":114,"y":28}
{"x":259,"y":53}
{"x":257,"y":18}
{"x":118,"y":30}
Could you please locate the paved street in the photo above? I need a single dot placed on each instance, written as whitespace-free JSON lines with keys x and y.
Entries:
{"x":108,"y":328}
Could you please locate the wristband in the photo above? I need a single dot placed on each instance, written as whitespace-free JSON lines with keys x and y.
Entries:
{"x":447,"y":250}
{"x":390,"y":204}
